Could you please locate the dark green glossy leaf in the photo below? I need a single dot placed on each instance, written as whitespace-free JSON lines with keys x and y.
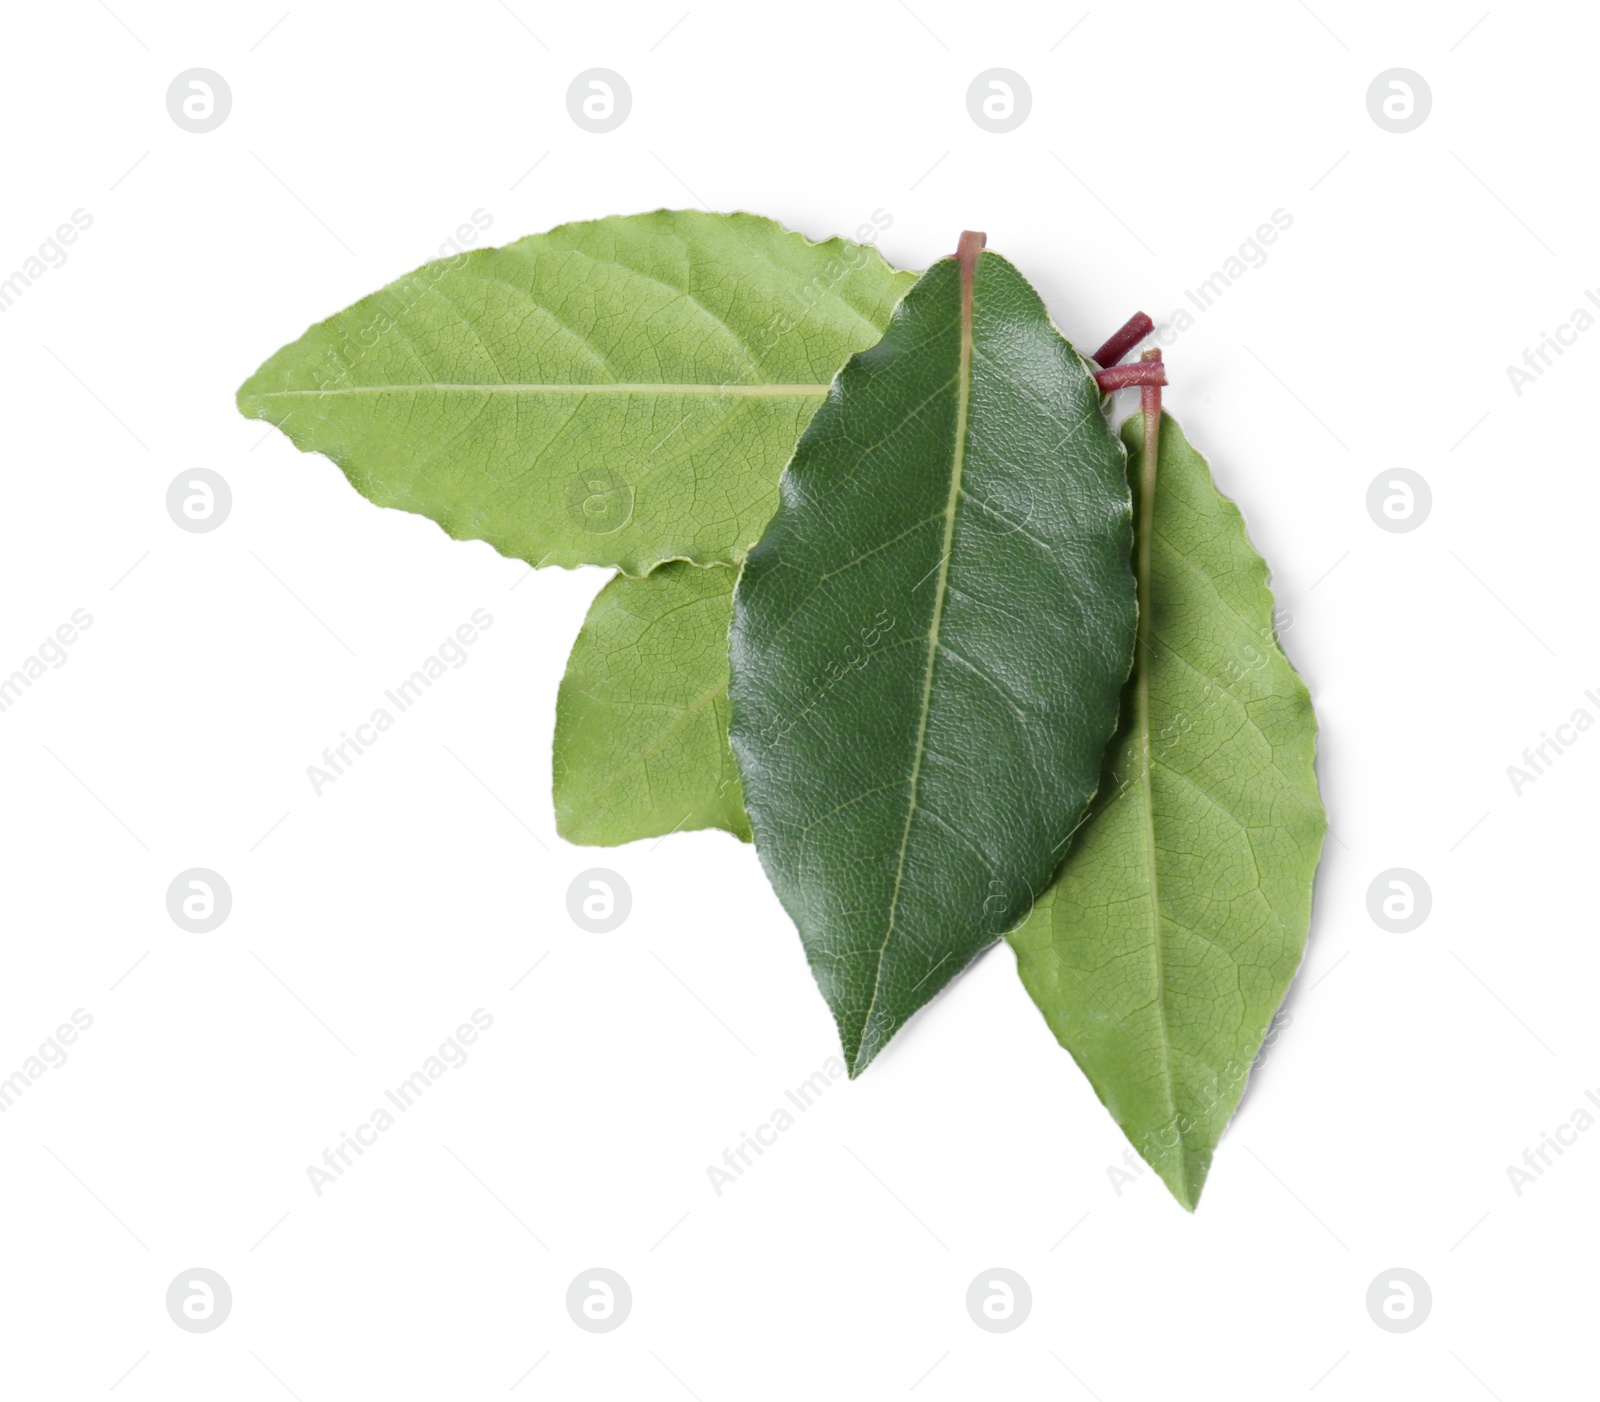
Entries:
{"x":929,"y":641}
{"x":1168,"y":940}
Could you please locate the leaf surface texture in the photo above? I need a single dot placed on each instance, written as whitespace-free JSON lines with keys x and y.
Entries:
{"x":617,"y":392}
{"x":641,"y":738}
{"x":929,"y":641}
{"x":1170,"y":936}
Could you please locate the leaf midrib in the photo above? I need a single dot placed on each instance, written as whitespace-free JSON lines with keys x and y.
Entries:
{"x":751,"y":391}
{"x":1143,"y":579}
{"x":941,"y":588}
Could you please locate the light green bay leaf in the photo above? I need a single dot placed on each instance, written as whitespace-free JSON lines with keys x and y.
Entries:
{"x":929,"y":641}
{"x":1170,"y":936}
{"x":641,"y":738}
{"x":618,"y":392}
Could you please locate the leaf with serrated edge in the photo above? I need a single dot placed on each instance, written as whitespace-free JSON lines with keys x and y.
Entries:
{"x":617,"y":392}
{"x":641,"y":739}
{"x":1169,"y":938}
{"x":929,"y":641}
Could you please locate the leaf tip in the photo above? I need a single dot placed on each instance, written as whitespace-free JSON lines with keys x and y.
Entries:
{"x":858,"y":1050}
{"x":245,"y":400}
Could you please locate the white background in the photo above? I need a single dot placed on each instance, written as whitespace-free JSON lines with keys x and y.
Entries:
{"x":428,"y":880}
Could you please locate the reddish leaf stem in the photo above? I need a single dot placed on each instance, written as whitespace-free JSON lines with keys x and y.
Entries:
{"x":1150,"y":404}
{"x":1134,"y":330}
{"x":1146,"y":372}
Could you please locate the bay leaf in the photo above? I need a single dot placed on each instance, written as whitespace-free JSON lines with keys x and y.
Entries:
{"x":1168,"y":940}
{"x":929,"y":641}
{"x":617,"y":392}
{"x":641,"y":737}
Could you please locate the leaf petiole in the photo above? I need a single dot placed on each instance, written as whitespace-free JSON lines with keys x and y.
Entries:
{"x":1144,"y":529}
{"x":1124,"y":339}
{"x":1144,"y":372}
